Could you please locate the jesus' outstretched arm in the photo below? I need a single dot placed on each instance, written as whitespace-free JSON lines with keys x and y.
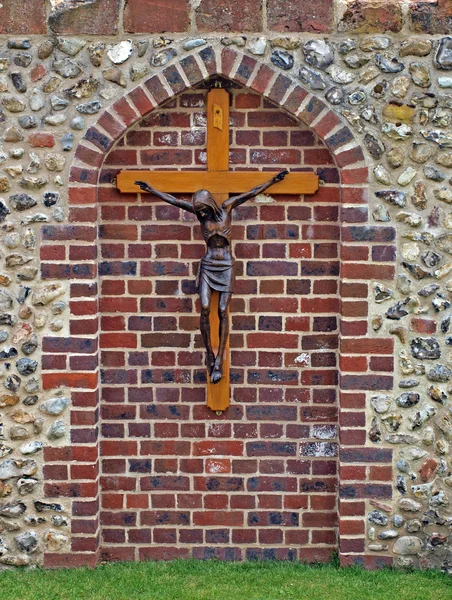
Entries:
{"x":241,"y":198}
{"x":166,"y":197}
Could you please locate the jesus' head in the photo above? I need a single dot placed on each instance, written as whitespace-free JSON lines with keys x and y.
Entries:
{"x":205,"y":206}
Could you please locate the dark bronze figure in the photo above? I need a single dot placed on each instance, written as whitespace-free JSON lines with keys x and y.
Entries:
{"x":216,"y":266}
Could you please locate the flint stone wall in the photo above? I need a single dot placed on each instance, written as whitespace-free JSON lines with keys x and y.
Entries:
{"x":384,"y":69}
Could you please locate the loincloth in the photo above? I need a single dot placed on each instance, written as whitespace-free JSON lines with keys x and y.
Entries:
{"x":217,"y":274}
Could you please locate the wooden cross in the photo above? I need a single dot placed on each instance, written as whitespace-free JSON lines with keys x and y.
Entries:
{"x":220,"y":182}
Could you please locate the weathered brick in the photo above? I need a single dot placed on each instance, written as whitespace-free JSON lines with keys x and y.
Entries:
{"x":229,"y":16}
{"x":291,"y":15}
{"x":372,"y":16}
{"x":17,"y":19}
{"x":148,"y":16}
{"x":430,"y":17}
{"x":99,"y":18}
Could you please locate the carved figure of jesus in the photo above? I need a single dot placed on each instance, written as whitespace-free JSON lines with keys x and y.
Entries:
{"x":216,"y":266}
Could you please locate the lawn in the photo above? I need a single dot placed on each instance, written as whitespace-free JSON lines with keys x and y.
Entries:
{"x":211,"y":580}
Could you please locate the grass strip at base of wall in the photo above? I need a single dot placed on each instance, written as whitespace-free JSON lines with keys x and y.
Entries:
{"x":214,"y":580}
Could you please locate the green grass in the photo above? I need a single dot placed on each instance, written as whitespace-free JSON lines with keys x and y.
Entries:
{"x":211,"y":580}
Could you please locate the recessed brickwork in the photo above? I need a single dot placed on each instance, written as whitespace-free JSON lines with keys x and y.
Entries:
{"x":262,"y":479}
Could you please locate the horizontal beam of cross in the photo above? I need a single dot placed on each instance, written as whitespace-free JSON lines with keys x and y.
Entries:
{"x":216,"y":182}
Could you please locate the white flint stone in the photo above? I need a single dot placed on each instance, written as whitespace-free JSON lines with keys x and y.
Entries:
{"x":407,"y":545}
{"x":56,"y":431}
{"x":258,"y":46}
{"x":119,"y":53}
{"x":318,"y":53}
{"x":376,"y":42}
{"x":411,"y":219}
{"x":448,"y":220}
{"x":108,"y":93}
{"x":400,"y":86}
{"x":397,"y":132}
{"x":445,"y":82}
{"x":71,"y":46}
{"x":54,"y":406}
{"x":339,"y":75}
{"x":31,"y":447}
{"x":382,"y":175}
{"x":55,"y":120}
{"x":444,"y":194}
{"x":37,"y":100}
{"x":410,"y":251}
{"x":381,"y":214}
{"x":380,"y":403}
{"x":407,"y":176}
{"x":196,"y":43}
{"x":54,"y":540}
{"x":443,"y":271}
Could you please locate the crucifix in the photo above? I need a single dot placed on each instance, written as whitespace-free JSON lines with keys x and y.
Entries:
{"x":213,"y":207}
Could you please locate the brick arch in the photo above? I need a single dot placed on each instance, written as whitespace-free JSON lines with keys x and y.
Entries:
{"x":73,"y":472}
{"x":240,"y":68}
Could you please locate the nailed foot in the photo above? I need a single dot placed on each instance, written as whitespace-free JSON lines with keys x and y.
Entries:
{"x":217,"y":372}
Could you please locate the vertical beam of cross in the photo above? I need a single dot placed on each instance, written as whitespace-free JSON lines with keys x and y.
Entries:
{"x":218,"y":394}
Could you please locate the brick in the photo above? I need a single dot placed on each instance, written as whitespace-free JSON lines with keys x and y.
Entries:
{"x":166,"y":157}
{"x":368,"y":233}
{"x":208,"y":57}
{"x":99,"y":139}
{"x":218,"y":518}
{"x":279,"y":88}
{"x":430,"y":17}
{"x":191,"y":69}
{"x":209,"y":448}
{"x":41,"y":140}
{"x":368,"y":16}
{"x":366,"y":382}
{"x":377,"y":473}
{"x":294,"y":99}
{"x":228,"y":16}
{"x":174,"y":79}
{"x":158,"y":517}
{"x":271,"y":413}
{"x":127,"y":114}
{"x":245,"y":69}
{"x":262,"y":79}
{"x":71,"y":560}
{"x":369,"y":490}
{"x":422,"y":325}
{"x":366,"y":271}
{"x":82,"y":195}
{"x":147,"y":16}
{"x":100,"y":18}
{"x":339,"y":139}
{"x":353,"y":176}
{"x":140,"y":100}
{"x":311,"y":110}
{"x":367,"y":346}
{"x":285,"y":16}
{"x":72,"y":380}
{"x":15,"y":21}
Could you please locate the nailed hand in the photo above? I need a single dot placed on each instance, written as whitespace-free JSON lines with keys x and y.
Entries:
{"x":280,"y":176}
{"x":144,"y":186}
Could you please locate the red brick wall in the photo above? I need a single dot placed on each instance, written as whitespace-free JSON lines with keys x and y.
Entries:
{"x":261,"y":479}
{"x":69,"y":252}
